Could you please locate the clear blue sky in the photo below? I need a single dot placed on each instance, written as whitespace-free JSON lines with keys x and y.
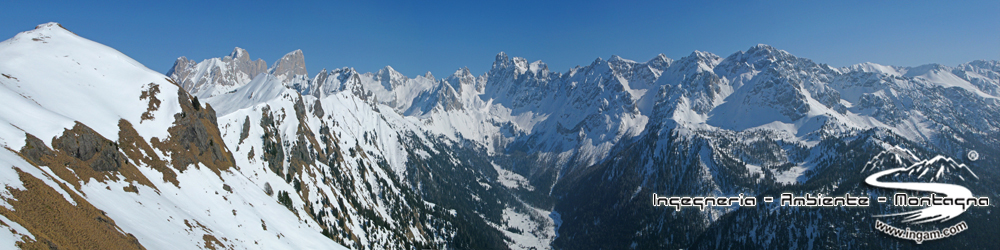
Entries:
{"x":442,"y":36}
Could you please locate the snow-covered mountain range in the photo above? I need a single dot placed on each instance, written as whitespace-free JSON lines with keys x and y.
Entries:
{"x":702,"y":124}
{"x":577,"y":117}
{"x":518,"y":157}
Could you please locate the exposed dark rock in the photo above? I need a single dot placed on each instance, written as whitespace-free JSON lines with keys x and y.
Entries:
{"x":318,"y":109}
{"x":85,"y":144}
{"x":300,"y":108}
{"x":274,"y":153}
{"x":267,"y":189}
{"x":34,"y":149}
{"x":246,"y":130}
{"x":196,"y":104}
{"x":150,"y":93}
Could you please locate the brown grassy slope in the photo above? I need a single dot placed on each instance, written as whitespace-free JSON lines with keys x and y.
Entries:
{"x":80,"y":156}
{"x":58,"y":224}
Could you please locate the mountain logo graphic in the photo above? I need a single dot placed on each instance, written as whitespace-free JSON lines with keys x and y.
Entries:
{"x":899,"y":169}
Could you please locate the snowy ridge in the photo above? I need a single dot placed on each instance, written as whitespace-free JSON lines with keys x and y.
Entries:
{"x":82,"y":81}
{"x":260,"y":89}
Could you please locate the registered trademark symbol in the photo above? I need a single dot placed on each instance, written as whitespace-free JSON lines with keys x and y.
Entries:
{"x":973,"y":155}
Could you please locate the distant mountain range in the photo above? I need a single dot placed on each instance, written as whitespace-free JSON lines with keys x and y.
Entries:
{"x":231,"y":153}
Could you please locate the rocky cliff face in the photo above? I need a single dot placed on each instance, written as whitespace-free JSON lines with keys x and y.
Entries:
{"x":291,"y":64}
{"x":291,"y":71}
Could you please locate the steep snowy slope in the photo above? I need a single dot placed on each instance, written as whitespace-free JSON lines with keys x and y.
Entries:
{"x":101,"y":152}
{"x":371,"y":178}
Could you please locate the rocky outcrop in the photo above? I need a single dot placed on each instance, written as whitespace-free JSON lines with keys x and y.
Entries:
{"x":273,"y":151}
{"x":195,"y":138}
{"x":245,"y":132}
{"x":60,"y":219}
{"x":85,"y":144}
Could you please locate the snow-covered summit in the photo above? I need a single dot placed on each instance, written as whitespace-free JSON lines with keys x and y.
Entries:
{"x":290,"y":64}
{"x":53,"y":78}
